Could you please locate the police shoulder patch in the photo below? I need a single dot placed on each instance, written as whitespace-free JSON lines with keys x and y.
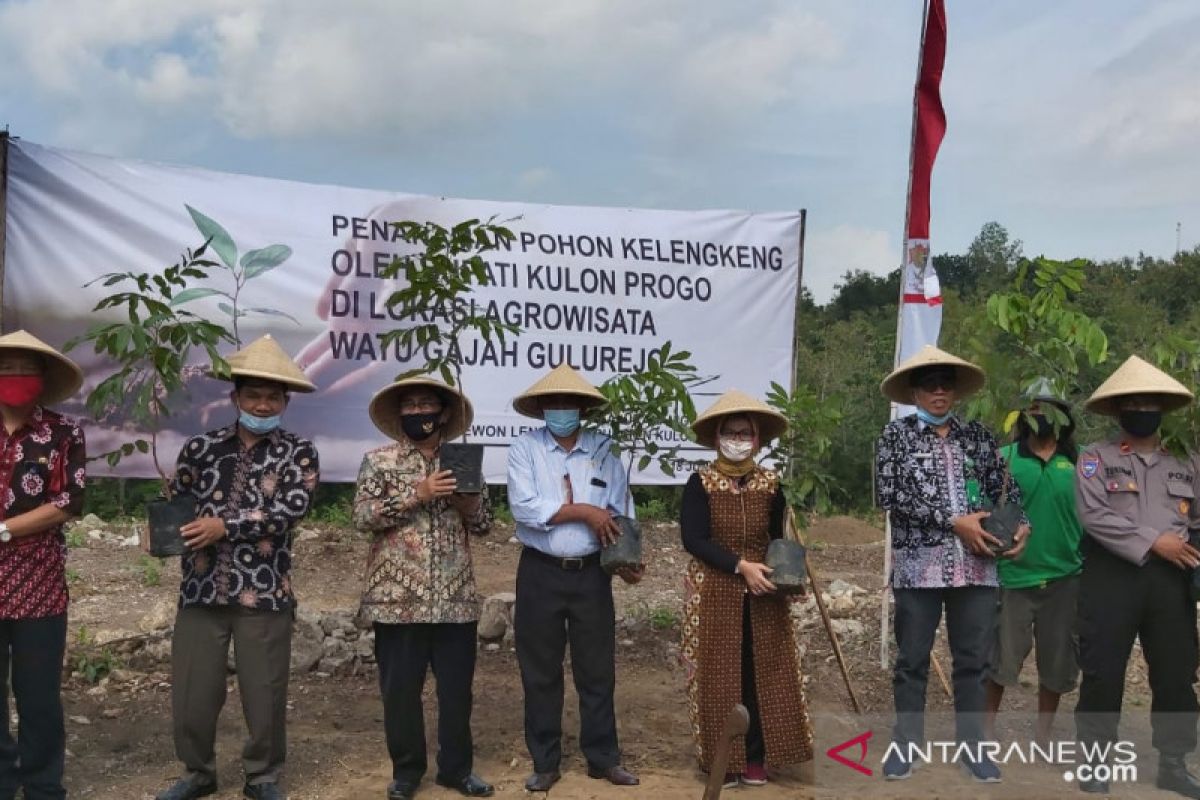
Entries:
{"x":1089,"y":465}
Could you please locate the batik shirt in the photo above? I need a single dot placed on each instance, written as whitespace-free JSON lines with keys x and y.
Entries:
{"x":40,"y":462}
{"x":922,"y":480}
{"x":261,"y":493}
{"x":419,"y":564}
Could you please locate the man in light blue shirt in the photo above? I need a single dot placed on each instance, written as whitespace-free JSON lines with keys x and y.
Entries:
{"x":564,"y":487}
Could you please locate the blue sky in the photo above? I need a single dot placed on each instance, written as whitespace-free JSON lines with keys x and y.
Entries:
{"x":1075,"y":123}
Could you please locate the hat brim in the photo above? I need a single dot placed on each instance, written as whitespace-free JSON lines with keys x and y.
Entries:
{"x":770,"y":426}
{"x":529,"y":404}
{"x":385,"y":408}
{"x":968,"y":380}
{"x":292,"y":384}
{"x":1109,"y":406}
{"x":62,"y":378}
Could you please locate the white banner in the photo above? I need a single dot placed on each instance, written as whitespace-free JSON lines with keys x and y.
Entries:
{"x":596,"y":287}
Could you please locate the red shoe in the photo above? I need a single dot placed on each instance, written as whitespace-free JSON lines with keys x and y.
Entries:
{"x":731,"y":780}
{"x":755,"y":775}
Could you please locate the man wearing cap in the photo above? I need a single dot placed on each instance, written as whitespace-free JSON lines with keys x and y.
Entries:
{"x":419,"y":591}
{"x":936,"y":476}
{"x":1038,"y":591}
{"x":252,"y":481}
{"x":1137,"y":504}
{"x":42,"y":469}
{"x":564,"y":487}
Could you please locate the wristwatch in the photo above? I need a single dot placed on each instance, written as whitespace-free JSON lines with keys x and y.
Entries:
{"x":5,"y":533}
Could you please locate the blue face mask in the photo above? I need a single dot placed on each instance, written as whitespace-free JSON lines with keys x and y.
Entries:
{"x":258,"y":425}
{"x":930,"y":419}
{"x":562,"y":421}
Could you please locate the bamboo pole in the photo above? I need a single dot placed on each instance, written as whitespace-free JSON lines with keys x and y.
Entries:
{"x":793,"y":531}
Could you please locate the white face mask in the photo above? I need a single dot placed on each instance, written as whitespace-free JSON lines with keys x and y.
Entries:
{"x":735,"y":449}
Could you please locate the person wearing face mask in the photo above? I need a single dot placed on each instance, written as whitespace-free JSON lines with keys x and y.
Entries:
{"x":564,"y":487}
{"x":42,"y":470}
{"x":252,"y":482}
{"x":1137,"y":504}
{"x":1038,"y":591}
{"x":419,"y":590}
{"x":936,"y":475}
{"x":738,"y":642}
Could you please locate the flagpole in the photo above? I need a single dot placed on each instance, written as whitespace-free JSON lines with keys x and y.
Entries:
{"x":885,"y":615}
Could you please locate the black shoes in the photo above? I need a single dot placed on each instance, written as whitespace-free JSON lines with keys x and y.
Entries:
{"x":470,"y":786}
{"x":542,"y":781}
{"x":617,"y":776}
{"x":188,"y":788}
{"x":1173,"y":776}
{"x":263,"y":791}
{"x":400,"y":791}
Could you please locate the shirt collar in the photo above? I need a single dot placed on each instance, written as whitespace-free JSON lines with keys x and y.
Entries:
{"x":922,"y":424}
{"x":230,"y":432}
{"x":583,"y":442}
{"x":39,"y":420}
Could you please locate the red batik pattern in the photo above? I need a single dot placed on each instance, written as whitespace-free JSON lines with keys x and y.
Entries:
{"x":41,"y":462}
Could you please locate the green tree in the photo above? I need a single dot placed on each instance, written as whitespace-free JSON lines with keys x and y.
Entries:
{"x":1035,"y":330}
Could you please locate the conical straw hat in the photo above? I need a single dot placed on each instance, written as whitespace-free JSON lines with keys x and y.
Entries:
{"x":970,"y":378}
{"x":1135,"y":376}
{"x":385,"y":408}
{"x":563,"y":379}
{"x":264,"y":358}
{"x":63,"y":376}
{"x":771,"y":424}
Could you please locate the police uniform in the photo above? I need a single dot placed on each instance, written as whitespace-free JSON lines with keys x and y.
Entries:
{"x":1125,"y":501}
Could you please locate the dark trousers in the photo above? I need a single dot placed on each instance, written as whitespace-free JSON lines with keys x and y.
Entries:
{"x":756,"y":750}
{"x":405,"y":653}
{"x":31,"y":658}
{"x":556,"y":607}
{"x":970,"y":627}
{"x":1117,"y":602}
{"x":262,"y":642}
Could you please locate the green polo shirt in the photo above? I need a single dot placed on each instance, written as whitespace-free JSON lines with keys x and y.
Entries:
{"x":1048,"y":496}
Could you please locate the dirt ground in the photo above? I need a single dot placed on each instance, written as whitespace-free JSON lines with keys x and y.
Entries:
{"x":120,"y":732}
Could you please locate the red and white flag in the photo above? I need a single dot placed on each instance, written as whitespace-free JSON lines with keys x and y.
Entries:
{"x":921,"y":295}
{"x":920,"y":318}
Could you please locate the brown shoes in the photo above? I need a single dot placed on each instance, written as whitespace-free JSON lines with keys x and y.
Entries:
{"x":541,"y":781}
{"x":617,"y":776}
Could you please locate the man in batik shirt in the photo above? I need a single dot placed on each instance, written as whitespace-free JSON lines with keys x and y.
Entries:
{"x":419,"y":592}
{"x":937,"y":477}
{"x":252,"y":481}
{"x":41,"y":487}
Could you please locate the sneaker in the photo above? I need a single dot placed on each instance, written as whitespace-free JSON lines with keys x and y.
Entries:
{"x":896,"y":767}
{"x":982,"y":771}
{"x":755,"y":775}
{"x":732,"y":779}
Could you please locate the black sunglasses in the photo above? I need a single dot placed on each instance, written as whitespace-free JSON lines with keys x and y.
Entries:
{"x":935,"y":382}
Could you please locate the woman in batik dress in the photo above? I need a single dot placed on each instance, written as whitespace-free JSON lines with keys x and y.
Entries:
{"x":738,"y":642}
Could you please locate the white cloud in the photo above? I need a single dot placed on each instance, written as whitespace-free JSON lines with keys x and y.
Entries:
{"x":169,"y":82}
{"x":830,"y":253}
{"x":381,"y":70}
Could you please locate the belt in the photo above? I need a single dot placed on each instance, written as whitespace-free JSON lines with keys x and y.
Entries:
{"x":571,"y":564}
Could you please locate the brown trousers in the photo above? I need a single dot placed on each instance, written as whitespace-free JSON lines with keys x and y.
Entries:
{"x":262,"y":642}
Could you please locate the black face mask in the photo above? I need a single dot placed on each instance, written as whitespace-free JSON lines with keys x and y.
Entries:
{"x":1139,"y":423}
{"x":419,"y":427}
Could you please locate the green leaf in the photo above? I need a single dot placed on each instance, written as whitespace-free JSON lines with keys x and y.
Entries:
{"x":256,"y":262}
{"x":188,"y":295}
{"x":271,"y":312}
{"x":218,"y":238}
